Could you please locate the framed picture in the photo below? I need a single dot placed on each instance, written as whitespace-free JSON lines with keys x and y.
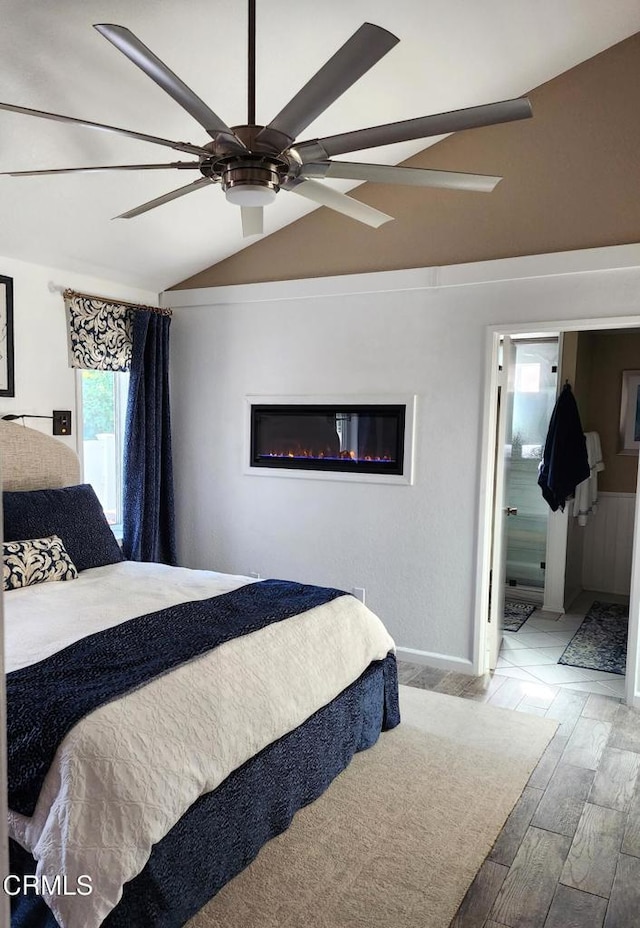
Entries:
{"x":6,"y":337}
{"x":630,"y":413}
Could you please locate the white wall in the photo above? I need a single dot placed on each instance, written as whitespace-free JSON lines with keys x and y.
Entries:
{"x":43,"y":379}
{"x":414,"y":548}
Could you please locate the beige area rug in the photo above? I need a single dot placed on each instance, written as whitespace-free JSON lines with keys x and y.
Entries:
{"x":398,"y":837}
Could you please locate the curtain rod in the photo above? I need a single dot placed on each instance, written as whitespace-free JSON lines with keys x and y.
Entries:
{"x":68,"y":293}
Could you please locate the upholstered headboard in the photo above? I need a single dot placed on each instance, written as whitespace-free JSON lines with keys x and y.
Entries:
{"x":31,"y":460}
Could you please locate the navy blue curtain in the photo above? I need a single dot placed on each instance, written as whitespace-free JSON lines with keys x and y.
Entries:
{"x":148,"y":519}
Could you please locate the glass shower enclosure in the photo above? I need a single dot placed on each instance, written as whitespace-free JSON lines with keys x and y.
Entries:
{"x":535,"y":395}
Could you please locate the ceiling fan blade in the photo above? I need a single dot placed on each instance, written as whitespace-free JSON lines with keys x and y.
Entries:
{"x":340,"y":202}
{"x":181,"y":165}
{"x":131,"y":46}
{"x":252,"y":220}
{"x":391,"y":174}
{"x":178,"y":146}
{"x":166,"y":198}
{"x":359,"y":53}
{"x":421,"y":128}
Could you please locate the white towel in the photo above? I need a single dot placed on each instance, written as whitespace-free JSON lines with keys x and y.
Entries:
{"x":586,"y":495}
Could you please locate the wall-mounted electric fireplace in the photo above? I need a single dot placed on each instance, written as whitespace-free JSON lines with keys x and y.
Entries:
{"x":344,"y":437}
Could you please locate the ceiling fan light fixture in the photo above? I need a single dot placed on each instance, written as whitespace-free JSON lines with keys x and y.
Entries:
{"x":249,"y":183}
{"x":250,"y":195}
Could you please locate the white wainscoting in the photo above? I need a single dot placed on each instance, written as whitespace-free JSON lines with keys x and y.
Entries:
{"x":608,"y":544}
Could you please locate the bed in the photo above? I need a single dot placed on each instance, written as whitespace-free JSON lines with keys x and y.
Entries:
{"x":163,"y":723}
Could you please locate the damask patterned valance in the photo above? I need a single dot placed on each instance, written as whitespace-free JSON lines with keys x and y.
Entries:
{"x":100,"y":331}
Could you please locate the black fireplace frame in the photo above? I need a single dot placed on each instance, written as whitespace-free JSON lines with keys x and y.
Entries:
{"x":395,"y":467}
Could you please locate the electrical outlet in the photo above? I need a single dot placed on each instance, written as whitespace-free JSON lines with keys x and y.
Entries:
{"x":255,"y":575}
{"x":62,"y":422}
{"x":358,"y":592}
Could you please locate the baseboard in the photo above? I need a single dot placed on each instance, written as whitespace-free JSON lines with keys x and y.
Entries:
{"x":432,"y":659}
{"x":524,"y":595}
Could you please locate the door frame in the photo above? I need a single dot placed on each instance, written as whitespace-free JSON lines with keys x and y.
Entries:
{"x":487,"y":475}
{"x":498,"y":570}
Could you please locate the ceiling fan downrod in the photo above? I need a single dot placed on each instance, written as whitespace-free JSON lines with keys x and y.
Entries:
{"x":251,"y":76}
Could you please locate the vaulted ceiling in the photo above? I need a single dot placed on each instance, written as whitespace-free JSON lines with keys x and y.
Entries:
{"x":452,"y":54}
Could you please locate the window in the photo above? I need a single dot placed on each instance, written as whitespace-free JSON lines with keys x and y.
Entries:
{"x":528,"y":377}
{"x":103,"y":406}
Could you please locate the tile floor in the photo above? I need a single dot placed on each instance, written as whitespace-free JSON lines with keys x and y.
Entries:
{"x":531,"y":654}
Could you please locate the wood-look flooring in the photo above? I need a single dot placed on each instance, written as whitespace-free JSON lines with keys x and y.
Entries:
{"x":569,"y":853}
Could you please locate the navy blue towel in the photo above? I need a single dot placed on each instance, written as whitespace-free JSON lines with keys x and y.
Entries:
{"x":565,"y":463}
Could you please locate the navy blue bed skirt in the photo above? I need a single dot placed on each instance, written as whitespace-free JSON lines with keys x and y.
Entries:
{"x":224,"y":830}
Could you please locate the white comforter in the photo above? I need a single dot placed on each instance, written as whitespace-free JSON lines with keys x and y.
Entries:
{"x":126,"y":773}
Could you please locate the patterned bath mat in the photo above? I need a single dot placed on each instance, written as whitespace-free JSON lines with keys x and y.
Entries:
{"x":601,"y":641}
{"x":516,"y":614}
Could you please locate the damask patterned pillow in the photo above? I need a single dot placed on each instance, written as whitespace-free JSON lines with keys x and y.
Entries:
{"x":35,"y":560}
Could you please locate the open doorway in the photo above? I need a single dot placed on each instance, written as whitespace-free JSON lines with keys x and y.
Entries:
{"x":591,"y":563}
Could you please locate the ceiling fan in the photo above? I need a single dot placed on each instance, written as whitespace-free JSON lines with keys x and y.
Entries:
{"x":253,"y":163}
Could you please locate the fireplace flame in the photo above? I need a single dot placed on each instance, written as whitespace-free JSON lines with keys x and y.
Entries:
{"x":311,"y":454}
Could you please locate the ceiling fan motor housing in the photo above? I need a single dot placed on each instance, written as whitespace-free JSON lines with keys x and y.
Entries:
{"x":251,"y":179}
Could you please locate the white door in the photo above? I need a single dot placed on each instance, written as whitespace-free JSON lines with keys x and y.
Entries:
{"x":501,"y":511}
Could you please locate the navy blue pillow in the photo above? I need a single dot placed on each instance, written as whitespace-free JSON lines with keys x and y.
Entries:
{"x":72,"y":513}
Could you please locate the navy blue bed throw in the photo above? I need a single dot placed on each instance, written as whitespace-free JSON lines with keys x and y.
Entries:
{"x":46,"y":699}
{"x":565,"y":463}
